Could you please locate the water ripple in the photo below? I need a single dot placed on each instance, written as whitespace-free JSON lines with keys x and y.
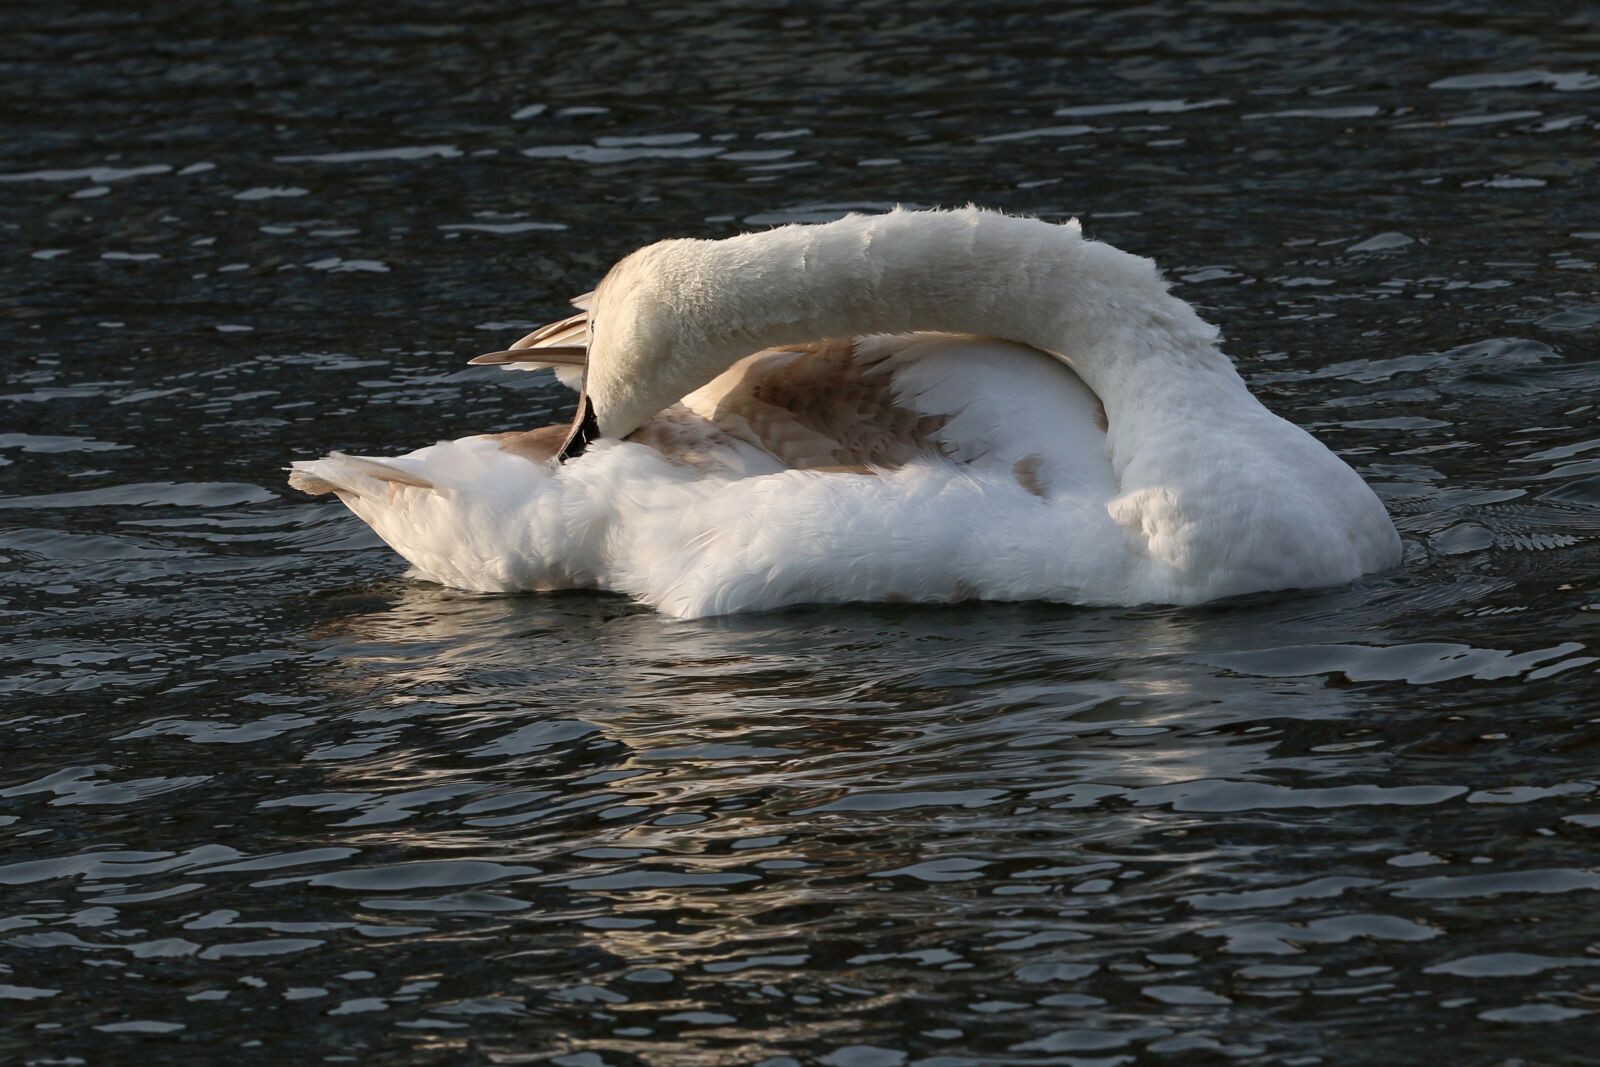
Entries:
{"x":256,"y":776}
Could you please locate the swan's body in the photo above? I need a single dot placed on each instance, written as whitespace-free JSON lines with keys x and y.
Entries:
{"x":1104,"y":452}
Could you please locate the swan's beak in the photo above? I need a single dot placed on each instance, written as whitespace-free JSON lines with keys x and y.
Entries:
{"x":585,"y":429}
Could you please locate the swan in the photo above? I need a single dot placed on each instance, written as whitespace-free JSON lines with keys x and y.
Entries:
{"x":928,"y":406}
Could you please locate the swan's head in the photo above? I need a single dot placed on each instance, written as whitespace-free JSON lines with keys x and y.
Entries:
{"x":661,"y":323}
{"x":643,"y":337}
{"x":664,"y":321}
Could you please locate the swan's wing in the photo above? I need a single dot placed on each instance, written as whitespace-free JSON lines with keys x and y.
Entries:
{"x":562,"y":345}
{"x":564,"y":342}
{"x":681,"y":436}
{"x":859,"y":405}
{"x":1005,"y":405}
{"x":819,"y":406}
{"x":572,"y":330}
{"x":878,"y":402}
{"x":688,"y":439}
{"x":825,"y":405}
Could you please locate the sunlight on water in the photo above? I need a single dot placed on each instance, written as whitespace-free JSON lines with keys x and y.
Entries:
{"x":265,"y":795}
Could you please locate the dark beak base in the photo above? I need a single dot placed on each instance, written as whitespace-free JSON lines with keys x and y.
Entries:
{"x":585,"y":429}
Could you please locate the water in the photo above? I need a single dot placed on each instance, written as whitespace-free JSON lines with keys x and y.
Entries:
{"x":264,"y":798}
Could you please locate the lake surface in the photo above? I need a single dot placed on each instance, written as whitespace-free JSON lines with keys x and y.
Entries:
{"x":264,"y":798}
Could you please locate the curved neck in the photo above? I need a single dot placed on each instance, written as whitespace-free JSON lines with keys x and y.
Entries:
{"x":1103,"y":312}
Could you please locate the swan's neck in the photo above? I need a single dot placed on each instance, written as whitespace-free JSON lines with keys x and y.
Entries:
{"x":1105,"y":313}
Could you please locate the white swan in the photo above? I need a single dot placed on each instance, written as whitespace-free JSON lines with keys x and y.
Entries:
{"x":759,"y":425}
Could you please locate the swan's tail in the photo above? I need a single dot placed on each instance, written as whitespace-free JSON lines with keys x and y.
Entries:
{"x":363,"y":476}
{"x":483,"y":513}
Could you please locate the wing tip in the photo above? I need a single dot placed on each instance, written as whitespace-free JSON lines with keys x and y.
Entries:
{"x":550,"y":355}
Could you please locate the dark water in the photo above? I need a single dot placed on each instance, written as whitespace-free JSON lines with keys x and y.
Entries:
{"x":264,"y":799}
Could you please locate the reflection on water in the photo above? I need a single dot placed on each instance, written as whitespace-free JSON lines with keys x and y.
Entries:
{"x":263,"y":793}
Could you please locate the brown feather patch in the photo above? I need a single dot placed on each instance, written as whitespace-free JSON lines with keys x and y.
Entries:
{"x":684,"y":438}
{"x":539,"y":445}
{"x":1027,"y":471}
{"x":818,"y":405}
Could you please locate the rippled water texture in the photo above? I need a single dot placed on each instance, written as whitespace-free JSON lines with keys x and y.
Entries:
{"x":263,"y":798}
